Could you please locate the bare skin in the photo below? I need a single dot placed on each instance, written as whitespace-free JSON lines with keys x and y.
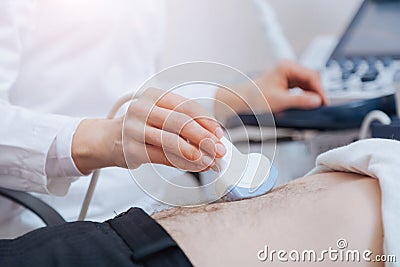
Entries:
{"x":308,"y":213}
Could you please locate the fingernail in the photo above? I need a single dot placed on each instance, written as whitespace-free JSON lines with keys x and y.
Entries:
{"x":220,"y":148}
{"x":215,"y":168}
{"x":315,"y":100}
{"x":219,"y":132}
{"x":206,"y":160}
{"x":197,"y":155}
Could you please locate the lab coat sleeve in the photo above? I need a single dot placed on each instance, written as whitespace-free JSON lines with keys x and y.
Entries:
{"x":25,"y":141}
{"x":25,"y":136}
{"x":59,"y":162}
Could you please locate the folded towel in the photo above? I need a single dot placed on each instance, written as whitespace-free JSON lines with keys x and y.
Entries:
{"x":380,"y":159}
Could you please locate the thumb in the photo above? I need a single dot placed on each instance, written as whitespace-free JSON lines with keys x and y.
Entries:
{"x":305,"y":100}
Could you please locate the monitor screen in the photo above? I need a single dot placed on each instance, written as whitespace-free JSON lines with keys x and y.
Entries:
{"x":374,"y":31}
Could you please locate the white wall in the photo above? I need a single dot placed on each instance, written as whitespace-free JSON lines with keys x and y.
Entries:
{"x":228,"y":31}
{"x":302,"y":20}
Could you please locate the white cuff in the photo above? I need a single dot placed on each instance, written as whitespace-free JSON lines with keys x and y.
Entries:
{"x":25,"y":144}
{"x":59,"y":162}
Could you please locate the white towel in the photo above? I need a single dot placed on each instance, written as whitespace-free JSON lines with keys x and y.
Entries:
{"x":380,"y":159}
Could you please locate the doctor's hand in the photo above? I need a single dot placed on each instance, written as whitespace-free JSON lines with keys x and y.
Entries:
{"x":158,"y":127}
{"x":275,"y":87}
{"x":286,"y":75}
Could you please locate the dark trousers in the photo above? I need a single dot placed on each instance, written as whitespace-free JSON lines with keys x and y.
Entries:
{"x":112,"y":243}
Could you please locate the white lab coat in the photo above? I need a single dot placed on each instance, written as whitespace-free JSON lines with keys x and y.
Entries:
{"x":61,"y":59}
{"x":73,"y":58}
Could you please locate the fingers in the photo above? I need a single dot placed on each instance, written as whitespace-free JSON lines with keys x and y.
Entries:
{"x":154,"y":154}
{"x":175,"y":130}
{"x":306,"y":100}
{"x":168,"y":143}
{"x":158,"y":156}
{"x":187,"y":128}
{"x":178,"y":123}
{"x":300,"y":76}
{"x":186,"y":106}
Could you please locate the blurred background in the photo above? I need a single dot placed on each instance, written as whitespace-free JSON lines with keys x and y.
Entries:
{"x":230,"y":31}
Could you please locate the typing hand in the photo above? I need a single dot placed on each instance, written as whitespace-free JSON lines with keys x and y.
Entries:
{"x":274,"y":86}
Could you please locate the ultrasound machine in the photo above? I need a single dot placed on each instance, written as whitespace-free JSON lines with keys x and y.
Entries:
{"x":363,"y":64}
{"x":358,"y":77}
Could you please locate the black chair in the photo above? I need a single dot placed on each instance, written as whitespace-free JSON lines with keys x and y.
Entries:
{"x":48,"y":215}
